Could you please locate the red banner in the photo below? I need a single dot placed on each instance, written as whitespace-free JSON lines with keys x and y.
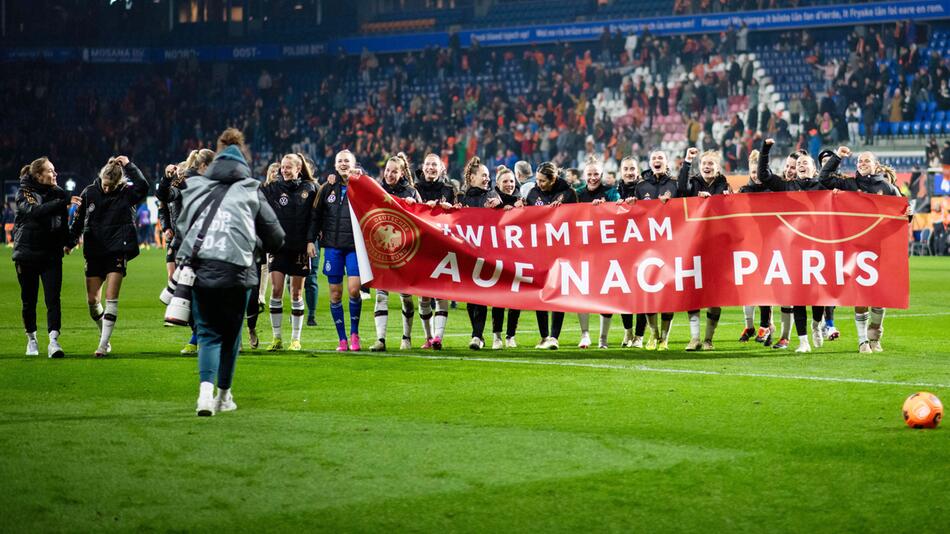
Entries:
{"x":809,"y":248}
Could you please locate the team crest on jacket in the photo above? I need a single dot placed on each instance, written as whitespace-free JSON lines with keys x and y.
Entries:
{"x":332,"y":198}
{"x":392,"y":239}
{"x":283,"y":200}
{"x":304,"y":194}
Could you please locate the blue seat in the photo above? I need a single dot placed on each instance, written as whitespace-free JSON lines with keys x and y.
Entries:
{"x":882,"y":128}
{"x":926,"y":128}
{"x":895,"y":128}
{"x":915,"y":127}
{"x":861,"y":129}
{"x":905,"y":128}
{"x":940,"y":115}
{"x":932,"y":106}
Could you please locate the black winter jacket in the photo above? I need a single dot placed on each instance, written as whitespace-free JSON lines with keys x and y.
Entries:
{"x":691,"y":186}
{"x":778,"y":183}
{"x":170,"y":197}
{"x":106,"y":221}
{"x":653,"y":187}
{"x":331,"y":220}
{"x":875,"y":184}
{"x":560,"y":191}
{"x":506,"y":199}
{"x":402,"y":189}
{"x":293,"y":202}
{"x":436,"y":190}
{"x":40,"y":229}
{"x":476,"y":197}
{"x":627,"y":190}
{"x":601,"y":193}
{"x":752,"y":187}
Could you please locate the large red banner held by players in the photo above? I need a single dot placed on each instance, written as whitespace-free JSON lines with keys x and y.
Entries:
{"x":809,"y":248}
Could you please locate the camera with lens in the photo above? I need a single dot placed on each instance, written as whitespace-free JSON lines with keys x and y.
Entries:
{"x":178,"y":311}
{"x":169,"y":291}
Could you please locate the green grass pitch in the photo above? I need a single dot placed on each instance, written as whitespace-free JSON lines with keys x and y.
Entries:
{"x":740,"y":439}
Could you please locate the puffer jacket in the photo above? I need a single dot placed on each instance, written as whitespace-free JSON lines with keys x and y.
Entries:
{"x":875,"y":184}
{"x":476,"y":197}
{"x":331,"y":220}
{"x":170,"y":208}
{"x":243,"y":226}
{"x":293,"y":201}
{"x":435,"y":190}
{"x":653,"y":187}
{"x":40,"y":229}
{"x":402,"y":189}
{"x":106,"y":221}
{"x":560,"y":191}
{"x":778,"y":183}
{"x":601,"y":193}
{"x":691,"y":186}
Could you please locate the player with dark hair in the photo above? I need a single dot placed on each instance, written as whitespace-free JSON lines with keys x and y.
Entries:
{"x":435,"y":191}
{"x":766,"y":328}
{"x":506,"y":186}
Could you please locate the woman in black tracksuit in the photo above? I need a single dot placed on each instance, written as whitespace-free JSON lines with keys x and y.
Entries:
{"x":871,"y":177}
{"x":291,"y":196}
{"x":435,"y":192}
{"x":764,"y":334}
{"x":709,"y":181}
{"x":506,"y":186}
{"x":397,"y":181}
{"x":658,"y":184}
{"x":40,"y":233}
{"x":550,"y":190}
{"x":806,"y":181}
{"x":478,"y":194}
{"x":168,"y":193}
{"x":106,"y":222}
{"x":627,"y":189}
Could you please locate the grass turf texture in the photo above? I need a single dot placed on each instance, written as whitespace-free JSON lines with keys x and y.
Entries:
{"x":611,"y":440}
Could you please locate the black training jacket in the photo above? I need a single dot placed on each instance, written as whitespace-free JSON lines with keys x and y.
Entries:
{"x":476,"y":197}
{"x":293,"y":202}
{"x":691,"y":186}
{"x":40,"y":228}
{"x":627,"y":189}
{"x":653,"y":187}
{"x":402,"y":189}
{"x":560,"y":191}
{"x":436,"y":190}
{"x":170,"y":208}
{"x":876,"y":184}
{"x":106,"y":221}
{"x":506,"y":199}
{"x":331,"y":220}
{"x":778,"y":183}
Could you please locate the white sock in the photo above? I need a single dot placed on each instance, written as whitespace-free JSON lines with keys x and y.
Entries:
{"x":694,"y":325}
{"x":296,"y":318}
{"x":816,"y":326}
{"x":651,"y":320}
{"x":223,"y":393}
{"x":665,"y":326}
{"x":206,"y":389}
{"x":861,"y":322}
{"x":53,"y":335}
{"x":876,"y":324}
{"x":803,"y":341}
{"x":96,"y":311}
{"x":441,"y":317}
{"x":381,"y":313}
{"x":108,"y":321}
{"x":584,"y":320}
{"x":425,"y":315}
{"x":786,"y":324}
{"x":604,"y":328}
{"x":749,"y":312}
{"x":276,"y":316}
{"x":407,"y":311}
{"x":31,"y":336}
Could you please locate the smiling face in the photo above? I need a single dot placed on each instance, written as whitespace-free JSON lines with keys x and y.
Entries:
{"x":289,"y":167}
{"x":47,"y":175}
{"x":480,"y":178}
{"x":709,"y":167}
{"x":344,"y":162}
{"x":867,"y":162}
{"x":658,"y":162}
{"x":506,"y":183}
{"x":392,"y":173}
{"x":805,"y":167}
{"x":629,"y":172}
{"x":432,"y":168}
{"x":791,"y":168}
{"x":592,"y":176}
{"x":545,"y":181}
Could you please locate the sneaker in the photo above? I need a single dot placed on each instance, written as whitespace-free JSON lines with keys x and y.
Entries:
{"x":252,"y":335}
{"x":205,"y":407}
{"x":342,"y":347}
{"x":708,"y":345}
{"x":803,"y":347}
{"x":294,"y":345}
{"x":102,"y":352}
{"x":190,"y":348}
{"x":876,"y":346}
{"x":602,"y":344}
{"x":497,"y":343}
{"x":651,"y":345}
{"x":365,"y":295}
{"x":762,"y":334}
{"x":585,"y":341}
{"x":817,"y":335}
{"x":311,"y":321}
{"x":275,"y":345}
{"x":54,"y":350}
{"x":548,"y":343}
{"x":832,"y":333}
{"x":437,"y":343}
{"x":627,"y":340}
{"x":865,"y":348}
{"x":32,"y":347}
{"x":378,"y":346}
{"x":405,"y":344}
{"x":747,"y":334}
{"x":427,"y":344}
{"x":637,"y":342}
{"x":663,"y":345}
{"x":694,"y":344}
{"x":224,"y":402}
{"x":767,"y":342}
{"x":476,"y":344}
{"x":782,"y":344}
{"x":355,"y":342}
{"x":511,"y":343}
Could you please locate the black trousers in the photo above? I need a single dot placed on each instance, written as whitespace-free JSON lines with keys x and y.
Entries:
{"x":557,"y":321}
{"x":253,"y":309}
{"x":30,"y":274}
{"x":477,"y":315}
{"x":498,"y":319}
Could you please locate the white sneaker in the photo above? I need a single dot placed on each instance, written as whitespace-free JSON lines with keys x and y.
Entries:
{"x":497,"y":343}
{"x":876,"y":345}
{"x":585,"y":341}
{"x":803,"y":347}
{"x":817,"y":334}
{"x":627,"y":340}
{"x":511,"y":343}
{"x":32,"y":347}
{"x":637,"y":342}
{"x":602,"y":344}
{"x":365,"y":295}
{"x":405,"y":344}
{"x":549,"y":343}
{"x":54,"y":350}
{"x":206,"y":405}
{"x":224,"y":402}
{"x":476,"y":344}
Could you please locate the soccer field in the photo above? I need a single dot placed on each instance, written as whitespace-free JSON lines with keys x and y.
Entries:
{"x":740,"y":439}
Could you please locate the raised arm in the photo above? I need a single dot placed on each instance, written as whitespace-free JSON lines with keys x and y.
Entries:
{"x":772,"y":181}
